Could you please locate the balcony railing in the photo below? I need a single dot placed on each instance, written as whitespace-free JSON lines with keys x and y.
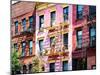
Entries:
{"x":28,"y":30}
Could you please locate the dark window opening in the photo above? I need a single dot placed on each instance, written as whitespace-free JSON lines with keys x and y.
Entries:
{"x":23,"y":48}
{"x":53,"y":18}
{"x":79,"y":64}
{"x":52,"y":67}
{"x":79,"y":11}
{"x":65,"y":40}
{"x":30,"y":68}
{"x":65,"y":13}
{"x":16,"y":27}
{"x":65,"y":65}
{"x":51,"y":41}
{"x":16,"y":46}
{"x":24,"y":24}
{"x":92,"y":31}
{"x":79,"y":39}
{"x":41,"y":23}
{"x":24,"y":69}
{"x":93,"y":67}
{"x":41,"y":46}
{"x":30,"y":47}
{"x":31,"y":22}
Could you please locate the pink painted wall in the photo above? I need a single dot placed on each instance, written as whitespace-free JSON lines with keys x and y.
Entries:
{"x":78,"y":23}
{"x":59,"y":19}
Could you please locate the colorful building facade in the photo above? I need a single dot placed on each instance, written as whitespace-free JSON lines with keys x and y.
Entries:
{"x":63,"y":36}
{"x":52,"y":33}
{"x":23,"y":33}
{"x":84,"y":37}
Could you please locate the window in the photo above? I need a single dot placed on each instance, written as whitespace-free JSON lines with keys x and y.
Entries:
{"x":31,"y":21}
{"x":65,"y":65}
{"x":53,"y":18}
{"x":16,"y":46}
{"x":92,"y":36}
{"x":24,"y":24}
{"x":65,"y":13}
{"x":51,"y":41}
{"x":65,"y":40}
{"x":16,"y":27}
{"x":30,"y":47}
{"x":41,"y":18}
{"x":79,"y":39}
{"x":79,"y":11}
{"x":92,"y":10}
{"x":41,"y":45}
{"x":30,"y":68}
{"x":52,"y":67}
{"x":93,"y":67}
{"x":23,"y":48}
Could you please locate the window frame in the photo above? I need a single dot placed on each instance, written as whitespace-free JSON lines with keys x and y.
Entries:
{"x":40,"y":49}
{"x":92,"y":36}
{"x":51,"y":40}
{"x":65,"y":15}
{"x":30,"y":48}
{"x":16,"y":46}
{"x":64,"y":42}
{"x":31,"y":23}
{"x":53,"y":18}
{"x":64,"y":68}
{"x":79,"y":12}
{"x":24,"y":24}
{"x":23,"y":48}
{"x":16,"y":27}
{"x":79,"y":38}
{"x":41,"y":17}
{"x":52,"y":70}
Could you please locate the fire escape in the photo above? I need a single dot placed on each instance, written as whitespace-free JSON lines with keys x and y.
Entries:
{"x":55,"y":52}
{"x":90,"y":19}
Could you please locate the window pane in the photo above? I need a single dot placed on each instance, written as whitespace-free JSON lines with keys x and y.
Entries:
{"x":41,"y":45}
{"x":79,"y":11}
{"x":15,"y":46}
{"x":52,"y":67}
{"x":65,"y":41}
{"x":23,"y":48}
{"x":92,"y":10}
{"x":24,"y":24}
{"x":31,"y":44}
{"x":65,"y":65}
{"x":41,"y":21}
{"x":92,"y":36}
{"x":30,"y":47}
{"x":79,"y":38}
{"x":31,"y":20}
{"x":16,"y":27}
{"x":51,"y":40}
{"x":79,"y":7}
{"x":53,"y":17}
{"x":65,"y":12}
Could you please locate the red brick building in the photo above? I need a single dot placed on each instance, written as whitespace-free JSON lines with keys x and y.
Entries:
{"x":84,"y":37}
{"x":23,"y":32}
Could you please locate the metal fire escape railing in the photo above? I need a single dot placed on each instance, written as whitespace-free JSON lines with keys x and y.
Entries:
{"x":88,"y":19}
{"x":55,"y":52}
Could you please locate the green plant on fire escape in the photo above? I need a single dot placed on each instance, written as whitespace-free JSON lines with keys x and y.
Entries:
{"x":15,"y":64}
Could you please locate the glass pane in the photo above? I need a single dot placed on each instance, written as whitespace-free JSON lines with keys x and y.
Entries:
{"x":41,"y":45}
{"x":65,"y":65}
{"x":79,"y":7}
{"x":31,"y":44}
